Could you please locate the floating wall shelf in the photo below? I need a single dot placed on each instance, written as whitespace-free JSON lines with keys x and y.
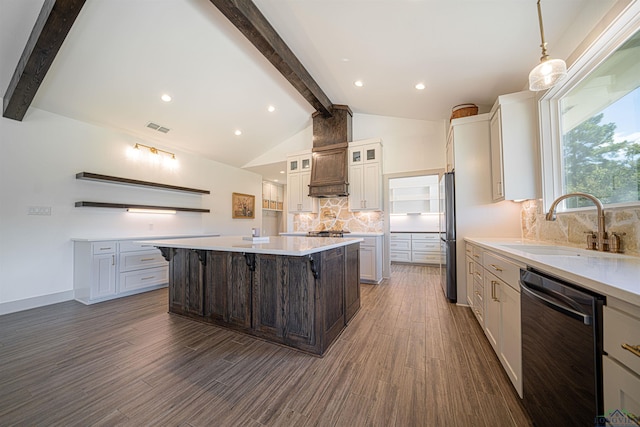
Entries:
{"x":128,"y":206}
{"x":133,"y":182}
{"x":125,"y":181}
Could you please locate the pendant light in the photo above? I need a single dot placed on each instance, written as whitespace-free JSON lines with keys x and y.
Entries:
{"x":549,"y":71}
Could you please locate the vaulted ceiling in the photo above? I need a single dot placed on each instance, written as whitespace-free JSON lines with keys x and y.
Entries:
{"x":121,"y":56}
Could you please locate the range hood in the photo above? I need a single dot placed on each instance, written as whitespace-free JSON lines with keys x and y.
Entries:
{"x":329,"y":170}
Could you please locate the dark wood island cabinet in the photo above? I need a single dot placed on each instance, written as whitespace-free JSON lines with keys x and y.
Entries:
{"x":301,"y":296}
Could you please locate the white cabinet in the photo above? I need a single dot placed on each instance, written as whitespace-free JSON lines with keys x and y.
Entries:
{"x":502,"y":313}
{"x":514,"y":147}
{"x":272,"y":196}
{"x":420,"y":248}
{"x":365,"y":176}
{"x":400,"y":247}
{"x":621,"y":365}
{"x":110,"y":269}
{"x":450,"y":160}
{"x":298,"y":179}
{"x":475,"y":281}
{"x":370,"y":259}
{"x":103,"y":266}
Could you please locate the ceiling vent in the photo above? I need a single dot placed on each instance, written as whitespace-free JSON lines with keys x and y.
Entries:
{"x":157,"y":127}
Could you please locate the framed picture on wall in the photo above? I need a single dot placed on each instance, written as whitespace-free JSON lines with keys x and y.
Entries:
{"x":243,"y":206}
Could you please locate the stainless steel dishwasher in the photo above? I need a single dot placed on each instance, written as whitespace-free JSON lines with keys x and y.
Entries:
{"x":561,"y":351}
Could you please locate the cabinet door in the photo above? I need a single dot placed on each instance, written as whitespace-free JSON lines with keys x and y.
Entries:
{"x":356,"y":184}
{"x":268,"y":297}
{"x":470,"y":295}
{"x":497,"y":170}
{"x":306,"y":202}
{"x":492,"y":310}
{"x":185,"y":282}
{"x":621,"y":389}
{"x":352,"y":281}
{"x":510,"y":335}
{"x":367,"y":263}
{"x":299,"y":310}
{"x":450,"y":160}
{"x":294,"y":190}
{"x":371,"y":187}
{"x":239,"y":290}
{"x":104,"y":276}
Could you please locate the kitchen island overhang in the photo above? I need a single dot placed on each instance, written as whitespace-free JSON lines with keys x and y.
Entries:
{"x":296,"y":291}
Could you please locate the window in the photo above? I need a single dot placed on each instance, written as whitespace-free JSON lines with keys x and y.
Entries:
{"x":600,"y":131}
{"x":590,"y":122}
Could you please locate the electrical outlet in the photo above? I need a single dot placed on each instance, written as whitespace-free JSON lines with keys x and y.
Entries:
{"x":39,"y":210}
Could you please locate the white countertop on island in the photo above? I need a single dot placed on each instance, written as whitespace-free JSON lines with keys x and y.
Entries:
{"x":277,"y":245}
{"x":346,"y":234}
{"x":614,"y":275}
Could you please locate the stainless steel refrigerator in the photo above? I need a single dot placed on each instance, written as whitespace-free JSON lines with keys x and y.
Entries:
{"x":448,"y":236}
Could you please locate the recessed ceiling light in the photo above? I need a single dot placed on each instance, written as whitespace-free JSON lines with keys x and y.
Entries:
{"x":238,"y":132}
{"x":420,"y":86}
{"x":282,"y":172}
{"x":271,"y":108}
{"x":166,"y":98}
{"x":275,"y":180}
{"x":345,"y":59}
{"x":358,"y":83}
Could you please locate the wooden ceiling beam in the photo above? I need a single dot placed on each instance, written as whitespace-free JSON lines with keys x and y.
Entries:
{"x":251,"y":22}
{"x":51,"y":28}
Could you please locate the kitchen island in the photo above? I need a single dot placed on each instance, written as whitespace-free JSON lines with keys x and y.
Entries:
{"x":297,"y":291}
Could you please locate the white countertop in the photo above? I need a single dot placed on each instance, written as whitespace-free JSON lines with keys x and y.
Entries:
{"x":284,"y":245}
{"x":614,"y":275}
{"x":349,"y":234}
{"x":140,"y":238}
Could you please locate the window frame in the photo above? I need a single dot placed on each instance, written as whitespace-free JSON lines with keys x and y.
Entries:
{"x":608,"y":41}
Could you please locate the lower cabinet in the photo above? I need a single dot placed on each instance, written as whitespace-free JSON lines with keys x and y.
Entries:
{"x":496,"y":305}
{"x":299,"y":301}
{"x":418,"y":248}
{"x":620,"y":364}
{"x":104,"y":270}
{"x":370,"y":259}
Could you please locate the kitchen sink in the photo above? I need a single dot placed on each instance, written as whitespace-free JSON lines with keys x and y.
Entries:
{"x":559,"y":251}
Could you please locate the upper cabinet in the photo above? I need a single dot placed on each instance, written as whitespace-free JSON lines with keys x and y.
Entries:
{"x":298,"y":179}
{"x":514,"y":147}
{"x":272,"y":196}
{"x":365,"y":175}
{"x":450,"y":159}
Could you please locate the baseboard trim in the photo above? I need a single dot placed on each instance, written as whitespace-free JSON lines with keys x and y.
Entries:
{"x":35,"y":302}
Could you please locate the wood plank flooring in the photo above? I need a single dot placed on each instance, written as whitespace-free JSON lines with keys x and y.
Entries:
{"x":408,"y":358}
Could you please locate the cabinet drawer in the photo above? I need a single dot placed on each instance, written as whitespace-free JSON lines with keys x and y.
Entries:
{"x":425,"y":246}
{"x":401,"y":256}
{"x":131,"y":246}
{"x":478,"y":305}
{"x":400,"y":236}
{"x":506,"y":270}
{"x":368,"y":241}
{"x":400,"y":245}
{"x":621,"y":328}
{"x":132,"y":280}
{"x":433,"y":237}
{"x":621,"y":389}
{"x":474,"y":252}
{"x":137,"y":260}
{"x":99,"y":248}
{"x":426,"y":257}
{"x":478,"y":291}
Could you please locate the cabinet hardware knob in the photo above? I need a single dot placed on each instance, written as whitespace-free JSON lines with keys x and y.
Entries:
{"x":635,"y":349}
{"x":147,"y":278}
{"x":495,"y":267}
{"x":147,"y":259}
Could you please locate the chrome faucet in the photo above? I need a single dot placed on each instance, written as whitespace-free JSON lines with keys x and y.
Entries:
{"x":601,"y":242}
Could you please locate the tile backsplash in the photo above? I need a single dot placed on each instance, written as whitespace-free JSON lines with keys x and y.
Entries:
{"x":334,"y":214}
{"x":569,"y":228}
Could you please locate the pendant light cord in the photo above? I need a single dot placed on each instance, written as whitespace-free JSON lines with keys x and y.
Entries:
{"x":544,"y":44}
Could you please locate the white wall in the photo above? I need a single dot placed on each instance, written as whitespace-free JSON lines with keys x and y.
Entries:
{"x":408,"y":144}
{"x":39,"y":159}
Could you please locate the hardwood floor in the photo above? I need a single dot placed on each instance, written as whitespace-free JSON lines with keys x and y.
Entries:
{"x":408,"y":358}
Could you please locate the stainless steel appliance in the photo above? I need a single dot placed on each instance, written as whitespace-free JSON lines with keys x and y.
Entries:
{"x":327,"y":233}
{"x":448,"y":236}
{"x":561,"y":351}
